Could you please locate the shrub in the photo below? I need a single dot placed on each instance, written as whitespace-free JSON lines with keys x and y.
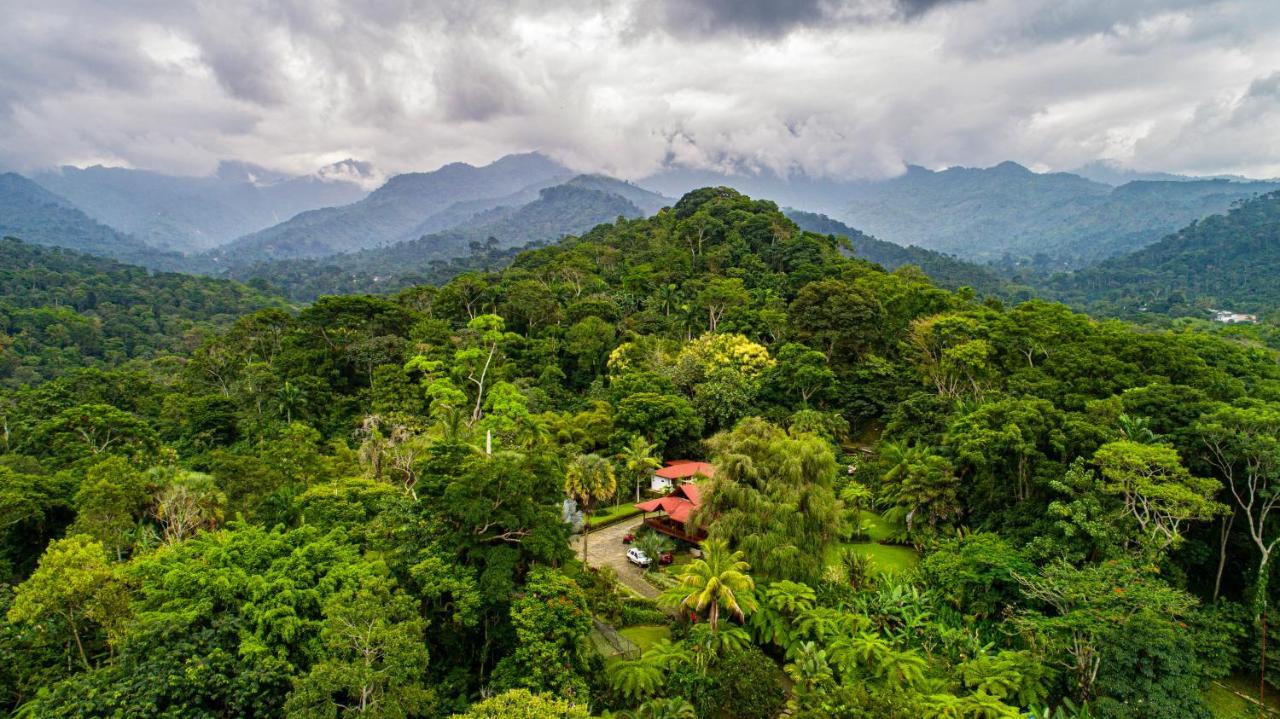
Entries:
{"x":748,"y":685}
{"x":635,"y":613}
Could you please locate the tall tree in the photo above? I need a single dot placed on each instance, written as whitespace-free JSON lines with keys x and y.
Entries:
{"x":376,"y":658}
{"x":772,"y":497}
{"x":73,"y":590}
{"x":1157,"y":492}
{"x":717,"y":581}
{"x":1243,"y":445}
{"x":588,"y":480}
{"x":639,"y":458}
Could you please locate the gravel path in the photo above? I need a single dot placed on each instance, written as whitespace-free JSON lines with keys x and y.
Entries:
{"x":605,"y":548}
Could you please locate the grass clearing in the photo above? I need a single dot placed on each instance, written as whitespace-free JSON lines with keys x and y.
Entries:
{"x":885,"y":558}
{"x":1225,"y":702}
{"x":877,"y":529}
{"x":646,"y":635}
{"x":609,"y":515}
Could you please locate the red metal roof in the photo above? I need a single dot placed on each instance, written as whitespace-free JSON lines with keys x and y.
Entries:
{"x":679,"y":505}
{"x":681,"y":512}
{"x":686,"y":468}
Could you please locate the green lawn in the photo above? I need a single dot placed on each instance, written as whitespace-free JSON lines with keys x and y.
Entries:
{"x":886,"y":558}
{"x":1226,"y":704}
{"x":605,"y":515}
{"x":646,"y":635}
{"x":878,"y":531}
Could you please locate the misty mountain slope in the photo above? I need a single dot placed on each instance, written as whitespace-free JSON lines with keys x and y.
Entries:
{"x":985,"y":214}
{"x":193,"y":214}
{"x":1229,"y":261}
{"x":812,"y":194}
{"x":390,"y":212}
{"x":944,"y":270}
{"x":35,"y":215}
{"x":567,"y":209}
{"x":648,"y":201}
{"x":460,"y":213}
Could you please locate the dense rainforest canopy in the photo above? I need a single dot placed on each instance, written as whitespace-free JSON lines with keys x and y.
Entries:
{"x":357,"y":508}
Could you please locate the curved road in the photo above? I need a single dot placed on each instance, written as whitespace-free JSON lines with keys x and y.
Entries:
{"x":605,"y":548}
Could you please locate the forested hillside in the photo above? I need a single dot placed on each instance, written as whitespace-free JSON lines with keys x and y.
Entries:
{"x":1229,"y":261}
{"x":1048,"y":221}
{"x":924,"y":505}
{"x":943,"y":270}
{"x":34,"y":214}
{"x":62,"y":310}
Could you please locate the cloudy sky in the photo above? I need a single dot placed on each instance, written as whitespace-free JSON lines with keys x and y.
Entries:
{"x":838,"y":88}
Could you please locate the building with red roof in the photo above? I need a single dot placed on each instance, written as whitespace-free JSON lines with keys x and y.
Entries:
{"x":679,"y":471}
{"x":674,"y":512}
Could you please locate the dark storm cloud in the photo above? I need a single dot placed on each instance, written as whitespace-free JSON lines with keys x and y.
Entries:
{"x":473,"y":88}
{"x":916,"y":8}
{"x":772,"y":19}
{"x":829,"y":87}
{"x":764,"y":18}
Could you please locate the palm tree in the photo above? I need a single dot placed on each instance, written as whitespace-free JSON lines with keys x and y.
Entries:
{"x":707,"y":645}
{"x":672,"y":708}
{"x":290,"y":397}
{"x":640,"y":460}
{"x":1136,"y":429}
{"x":653,"y":545}
{"x":635,"y":679}
{"x":717,"y":581}
{"x":810,"y":669}
{"x":588,"y":480}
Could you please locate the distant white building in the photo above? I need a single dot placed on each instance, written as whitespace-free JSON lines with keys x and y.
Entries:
{"x":1227,"y":317}
{"x":678,"y":471}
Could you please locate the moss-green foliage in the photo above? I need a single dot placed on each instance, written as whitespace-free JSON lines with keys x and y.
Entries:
{"x":1227,"y":262}
{"x":60,"y":310}
{"x":241,"y":499}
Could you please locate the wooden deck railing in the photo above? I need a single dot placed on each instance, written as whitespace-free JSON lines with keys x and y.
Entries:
{"x":672,"y":529}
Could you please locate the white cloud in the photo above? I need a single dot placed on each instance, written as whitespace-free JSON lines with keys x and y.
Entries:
{"x":831,"y":87}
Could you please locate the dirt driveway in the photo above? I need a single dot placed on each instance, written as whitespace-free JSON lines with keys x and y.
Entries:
{"x":605,"y":547}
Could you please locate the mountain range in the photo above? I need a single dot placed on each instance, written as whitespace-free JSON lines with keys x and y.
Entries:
{"x":945,"y":270}
{"x":1006,"y":213}
{"x":963,"y":226}
{"x":570,"y":208}
{"x":402,"y":209}
{"x":32,"y":213}
{"x":194,"y":214}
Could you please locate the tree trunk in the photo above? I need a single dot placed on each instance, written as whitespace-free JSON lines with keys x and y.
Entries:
{"x":1262,"y":672}
{"x":84,"y":658}
{"x":1260,"y":603}
{"x":1227,"y":522}
{"x":715,"y":616}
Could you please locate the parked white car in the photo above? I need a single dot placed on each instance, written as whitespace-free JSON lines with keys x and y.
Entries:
{"x":638,"y":558}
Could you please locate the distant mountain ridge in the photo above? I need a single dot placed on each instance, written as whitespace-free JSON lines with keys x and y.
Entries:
{"x":34,"y":215}
{"x":194,"y":214}
{"x":1229,"y":261}
{"x":393,"y":212}
{"x":944,"y":270}
{"x":1055,"y":220}
{"x":569,"y":208}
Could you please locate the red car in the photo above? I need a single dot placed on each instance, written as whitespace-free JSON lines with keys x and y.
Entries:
{"x":666,"y":558}
{"x":628,"y":538}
